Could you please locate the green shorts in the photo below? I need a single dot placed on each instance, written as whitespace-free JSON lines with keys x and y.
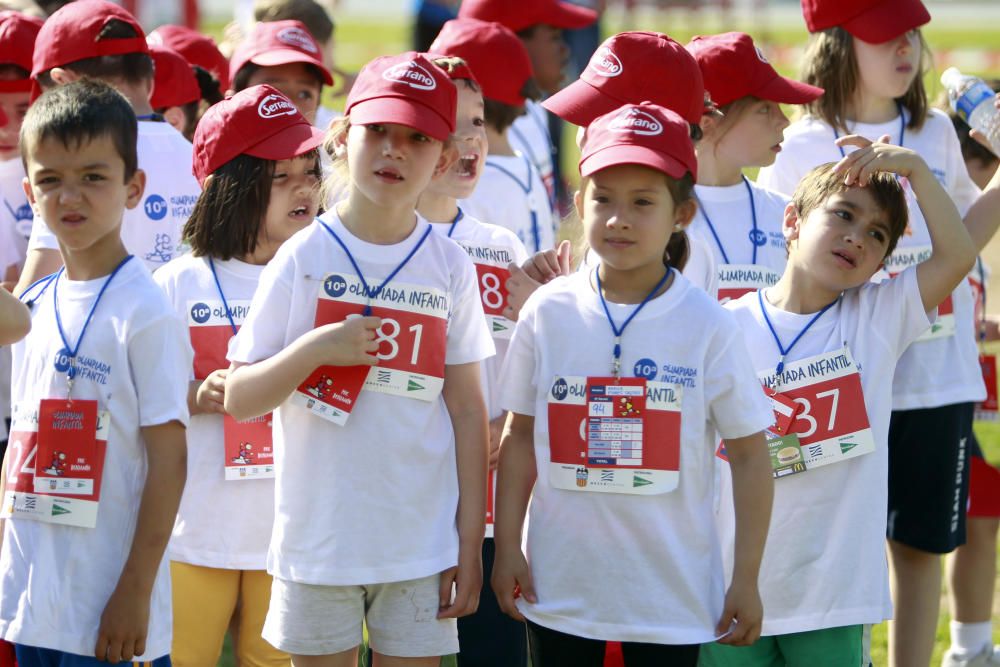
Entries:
{"x":830,"y":647}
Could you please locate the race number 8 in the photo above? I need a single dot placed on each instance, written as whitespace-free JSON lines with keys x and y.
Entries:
{"x":490,"y":292}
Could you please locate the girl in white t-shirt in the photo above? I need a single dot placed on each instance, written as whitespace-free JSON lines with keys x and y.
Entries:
{"x":870,"y":59}
{"x":612,"y":433}
{"x":380,"y":473}
{"x":260,"y":174}
{"x":738,"y":220}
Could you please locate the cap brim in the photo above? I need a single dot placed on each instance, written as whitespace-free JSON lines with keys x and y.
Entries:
{"x":787,"y":91}
{"x":401,"y":111}
{"x":287,"y":143}
{"x":567,"y":16}
{"x":619,"y":154}
{"x":288,"y":56}
{"x":888,"y":20}
{"x":580,"y":103}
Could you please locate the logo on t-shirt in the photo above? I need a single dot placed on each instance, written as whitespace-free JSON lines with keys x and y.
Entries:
{"x":62,"y":361}
{"x":637,"y":121}
{"x":606,"y":63}
{"x":757,"y":237}
{"x":200,"y":312}
{"x":560,"y":389}
{"x":645,"y":368}
{"x":335,"y":286}
{"x":411,"y":74}
{"x":274,"y":105}
{"x":298,"y":38}
{"x":156,"y":207}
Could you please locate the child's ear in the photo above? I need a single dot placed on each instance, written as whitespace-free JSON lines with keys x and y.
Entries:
{"x":684,"y":214}
{"x":61,"y":76}
{"x":29,"y":193}
{"x":577,"y":203}
{"x":791,"y":223}
{"x":709,"y":122}
{"x":134,"y":188}
{"x":175,"y":117}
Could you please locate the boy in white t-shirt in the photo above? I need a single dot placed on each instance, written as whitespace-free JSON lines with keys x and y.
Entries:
{"x":96,"y":465}
{"x":825,"y":342}
{"x":100,"y":40}
{"x":510,"y":192}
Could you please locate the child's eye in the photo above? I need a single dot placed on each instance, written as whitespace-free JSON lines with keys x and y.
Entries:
{"x":643,"y":202}
{"x":277,"y":176}
{"x":478,"y":122}
{"x":93,"y":178}
{"x":601,"y":199}
{"x":305,"y":95}
{"x":375,"y":127}
{"x":316,"y":172}
{"x":419,"y":136}
{"x":841,"y":213}
{"x":877,"y":235}
{"x":46,"y":180}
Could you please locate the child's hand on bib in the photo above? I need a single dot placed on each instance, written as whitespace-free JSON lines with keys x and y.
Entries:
{"x":511,"y":580}
{"x":742,"y":615}
{"x":871,"y":157}
{"x":348,"y":343}
{"x":467,"y":578}
{"x":211,"y":394}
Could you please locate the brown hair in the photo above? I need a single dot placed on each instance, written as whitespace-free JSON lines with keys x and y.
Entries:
{"x":242,"y":79}
{"x":830,"y":63}
{"x":501,"y":116}
{"x":817,"y":186}
{"x":312,"y":15}
{"x":449,"y":64}
{"x":132,"y":68}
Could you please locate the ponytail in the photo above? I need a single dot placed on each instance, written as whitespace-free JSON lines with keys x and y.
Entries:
{"x":678,"y":251}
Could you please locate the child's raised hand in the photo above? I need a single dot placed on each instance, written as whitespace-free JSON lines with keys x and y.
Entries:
{"x":348,"y":343}
{"x":872,"y":157}
{"x":211,"y":394}
{"x":537,"y":270}
{"x":742,"y":616}
{"x":512,"y":579}
{"x":468,"y":581}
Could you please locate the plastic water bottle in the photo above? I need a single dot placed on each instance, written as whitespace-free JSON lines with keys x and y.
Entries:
{"x":972,"y":100}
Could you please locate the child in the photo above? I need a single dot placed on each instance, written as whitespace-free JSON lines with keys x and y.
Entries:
{"x":397,"y":470}
{"x":510,"y":192}
{"x":100,"y":40}
{"x":96,"y":465}
{"x":282,"y":54}
{"x":868,"y":56}
{"x":825,"y":351}
{"x":487,"y":637}
{"x":739,"y":221}
{"x":201,"y":52}
{"x":176,"y":94}
{"x":621,"y":540}
{"x":261,"y":185}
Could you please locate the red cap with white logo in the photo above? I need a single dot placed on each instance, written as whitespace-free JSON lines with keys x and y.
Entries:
{"x":520,"y":14}
{"x":17,"y":42}
{"x":174,"y":82}
{"x":276,"y":43}
{"x":733,"y":67}
{"x":874,"y":21}
{"x":257,"y":121}
{"x":645,"y":134}
{"x":628,"y":68}
{"x":407,"y":89}
{"x":197,"y":48}
{"x":497,"y":57}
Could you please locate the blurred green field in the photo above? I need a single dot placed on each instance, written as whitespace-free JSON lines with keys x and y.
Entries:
{"x":359,"y":40}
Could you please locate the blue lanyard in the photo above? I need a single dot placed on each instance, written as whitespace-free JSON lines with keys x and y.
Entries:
{"x":155,"y":117}
{"x":902,"y":130}
{"x":225,"y":304}
{"x":458,"y":216}
{"x":982,"y":290}
{"x":618,"y":331}
{"x":72,"y":350}
{"x":369,"y":292}
{"x":785,"y":350}
{"x":755,"y":234}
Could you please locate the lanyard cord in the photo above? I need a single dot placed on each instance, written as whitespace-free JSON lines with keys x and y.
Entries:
{"x":371,"y":294}
{"x":785,"y":350}
{"x":225,"y":304}
{"x":902,"y":130}
{"x":618,"y":331}
{"x":754,"y":232}
{"x":982,"y":290}
{"x":458,"y":216}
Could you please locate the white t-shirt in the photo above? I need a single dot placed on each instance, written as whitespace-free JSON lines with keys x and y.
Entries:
{"x":510,"y":194}
{"x":744,"y":259}
{"x":824,"y":564}
{"x":15,"y":212}
{"x":630,"y":567}
{"x":222,"y":524}
{"x":152,"y":230}
{"x":386,"y":479}
{"x":931,"y":373}
{"x":57,"y":579}
{"x":529,"y":136}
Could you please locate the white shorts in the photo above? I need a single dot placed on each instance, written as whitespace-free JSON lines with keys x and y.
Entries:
{"x":322,"y":620}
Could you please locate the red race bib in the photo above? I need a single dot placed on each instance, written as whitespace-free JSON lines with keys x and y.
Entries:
{"x":903,"y":258}
{"x":248,"y":447}
{"x":492,"y":273}
{"x":211,"y":332}
{"x":987,"y":410}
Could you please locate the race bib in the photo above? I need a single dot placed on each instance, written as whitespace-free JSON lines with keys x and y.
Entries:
{"x":412,"y":345}
{"x":56,"y":462}
{"x":735,"y":280}
{"x":248,"y":448}
{"x":491,"y":272}
{"x":831,"y":421}
{"x":988,"y":409}
{"x":611,"y":436}
{"x":211,"y":331}
{"x":899,"y":261}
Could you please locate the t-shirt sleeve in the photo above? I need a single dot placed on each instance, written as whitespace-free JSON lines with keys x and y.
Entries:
{"x":736,"y":403}
{"x":263,"y":332}
{"x":161,"y":387}
{"x":469,"y":338}
{"x":519,"y":375}
{"x":901,"y":296}
{"x":42,"y":237}
{"x":701,"y":269}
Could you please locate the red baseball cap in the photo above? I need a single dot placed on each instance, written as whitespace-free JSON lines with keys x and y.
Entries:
{"x":497,"y":57}
{"x":520,"y":14}
{"x":733,"y":67}
{"x":174,"y":82}
{"x":646,"y":134}
{"x":17,"y":42}
{"x":257,"y":121}
{"x":71,"y":33}
{"x":631,"y":67}
{"x":407,"y":89}
{"x":197,"y":48}
{"x":873,"y":21}
{"x":276,"y":43}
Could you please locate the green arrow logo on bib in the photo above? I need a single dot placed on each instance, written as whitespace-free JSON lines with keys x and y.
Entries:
{"x":639,"y":481}
{"x":59,"y":509}
{"x":847,"y":446}
{"x":413,"y":386}
{"x":499,"y":326}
